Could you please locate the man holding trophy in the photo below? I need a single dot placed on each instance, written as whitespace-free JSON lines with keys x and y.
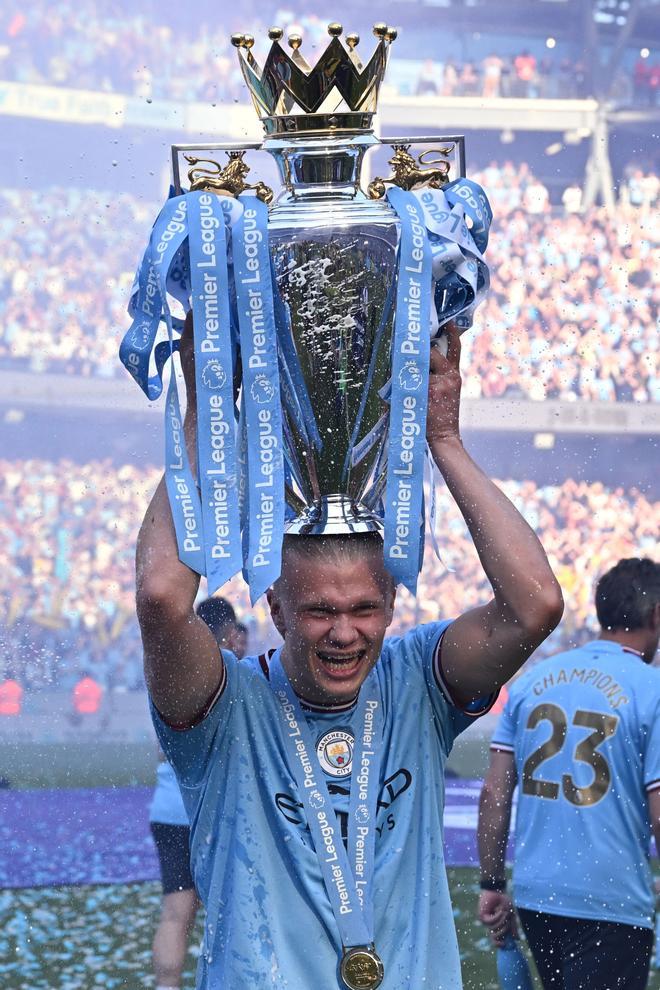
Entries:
{"x":313,"y":777}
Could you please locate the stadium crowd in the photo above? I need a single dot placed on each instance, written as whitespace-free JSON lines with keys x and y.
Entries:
{"x":67,"y":535}
{"x":152,"y":54}
{"x":571,"y":312}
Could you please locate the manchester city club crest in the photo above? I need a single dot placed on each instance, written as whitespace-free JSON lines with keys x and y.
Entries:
{"x":335,"y":752}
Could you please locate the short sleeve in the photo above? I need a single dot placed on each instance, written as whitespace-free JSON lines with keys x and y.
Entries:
{"x":189,"y":750}
{"x":505,"y":730}
{"x":420,"y":651}
{"x":652,"y":749}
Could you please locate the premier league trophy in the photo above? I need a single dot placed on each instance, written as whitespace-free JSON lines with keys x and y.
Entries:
{"x":313,"y":308}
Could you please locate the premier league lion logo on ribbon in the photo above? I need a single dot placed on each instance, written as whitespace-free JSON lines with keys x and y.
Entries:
{"x":410,"y":377}
{"x":140,"y":336}
{"x":213,"y":374}
{"x":262,"y":390}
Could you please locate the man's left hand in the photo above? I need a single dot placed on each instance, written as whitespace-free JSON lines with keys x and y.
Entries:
{"x":496,"y":912}
{"x":444,"y":389}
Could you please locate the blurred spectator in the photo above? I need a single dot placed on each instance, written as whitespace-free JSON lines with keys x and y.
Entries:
{"x":640,"y":189}
{"x":449,"y":78}
{"x":157,"y":53}
{"x":536,"y":199}
{"x":645,"y":81}
{"x":427,"y":81}
{"x":87,"y":695}
{"x":492,"y":75}
{"x":572,"y":198}
{"x":468,"y":81}
{"x":525,"y":74}
{"x":11,"y":695}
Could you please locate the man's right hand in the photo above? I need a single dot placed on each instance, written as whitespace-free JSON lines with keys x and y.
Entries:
{"x":496,"y":911}
{"x":187,"y":355}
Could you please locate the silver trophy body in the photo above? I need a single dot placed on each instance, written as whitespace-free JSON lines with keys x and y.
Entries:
{"x":333,"y":252}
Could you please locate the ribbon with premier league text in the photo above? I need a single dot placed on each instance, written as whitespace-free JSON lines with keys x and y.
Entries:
{"x":460,"y":274}
{"x":217,"y":466}
{"x":167,"y":239}
{"x":404,"y":490}
{"x":261,"y":402}
{"x":347,"y":874}
{"x":188,"y":257}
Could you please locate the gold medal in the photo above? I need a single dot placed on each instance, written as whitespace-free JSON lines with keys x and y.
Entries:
{"x":361,"y":968}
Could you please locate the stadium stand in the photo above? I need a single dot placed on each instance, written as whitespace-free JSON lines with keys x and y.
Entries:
{"x":67,"y":533}
{"x":64,"y":286}
{"x":154,"y":54}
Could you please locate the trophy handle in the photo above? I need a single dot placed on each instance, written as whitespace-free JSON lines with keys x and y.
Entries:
{"x":408,"y":173}
{"x":228,"y":181}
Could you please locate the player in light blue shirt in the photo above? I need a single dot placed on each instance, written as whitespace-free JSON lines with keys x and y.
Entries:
{"x":580,"y":733}
{"x":272,"y":921}
{"x":171,"y":834}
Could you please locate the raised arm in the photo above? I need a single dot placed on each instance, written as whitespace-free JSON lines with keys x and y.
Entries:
{"x":484,"y":647}
{"x":182,"y":663}
{"x":495,"y":907}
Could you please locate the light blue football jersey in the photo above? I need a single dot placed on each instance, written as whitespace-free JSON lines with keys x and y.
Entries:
{"x":167,"y":806}
{"x":584,"y":727}
{"x":269,"y":920}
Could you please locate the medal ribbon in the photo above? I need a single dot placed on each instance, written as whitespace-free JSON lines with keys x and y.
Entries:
{"x":347,"y":876}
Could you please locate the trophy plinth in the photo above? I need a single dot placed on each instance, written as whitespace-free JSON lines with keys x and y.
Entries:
{"x":334,"y":515}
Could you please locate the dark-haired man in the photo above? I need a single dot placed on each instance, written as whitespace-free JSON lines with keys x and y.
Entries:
{"x":220,"y":617}
{"x":273,"y":891}
{"x":580,"y":733}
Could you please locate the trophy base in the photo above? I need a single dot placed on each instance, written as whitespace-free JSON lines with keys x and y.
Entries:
{"x":335,"y":515}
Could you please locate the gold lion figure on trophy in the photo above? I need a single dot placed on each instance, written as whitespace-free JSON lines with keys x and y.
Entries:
{"x":229,"y":180}
{"x":407,"y":173}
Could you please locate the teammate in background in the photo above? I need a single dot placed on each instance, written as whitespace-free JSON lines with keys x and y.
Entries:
{"x":271,"y":917}
{"x":171,"y":833}
{"x":220,"y":617}
{"x":581,"y":735}
{"x":240,"y":640}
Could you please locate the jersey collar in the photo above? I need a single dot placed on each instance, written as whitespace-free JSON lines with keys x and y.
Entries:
{"x":610,"y":646}
{"x":344,"y":706}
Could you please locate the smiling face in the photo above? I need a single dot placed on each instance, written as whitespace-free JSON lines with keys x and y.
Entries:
{"x":332,"y":613}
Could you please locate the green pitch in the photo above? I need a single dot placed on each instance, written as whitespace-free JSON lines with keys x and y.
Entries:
{"x":99,"y":938}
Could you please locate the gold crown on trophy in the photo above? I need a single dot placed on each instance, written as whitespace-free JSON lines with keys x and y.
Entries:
{"x":338,"y":93}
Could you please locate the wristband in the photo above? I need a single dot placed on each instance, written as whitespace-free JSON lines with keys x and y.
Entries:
{"x":496,"y":885}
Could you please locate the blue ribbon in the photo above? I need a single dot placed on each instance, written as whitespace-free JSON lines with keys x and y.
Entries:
{"x":459,"y":271}
{"x":167,"y":237}
{"x":347,"y":875}
{"x":260,"y":399}
{"x":409,"y":394}
{"x":214,"y":377}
